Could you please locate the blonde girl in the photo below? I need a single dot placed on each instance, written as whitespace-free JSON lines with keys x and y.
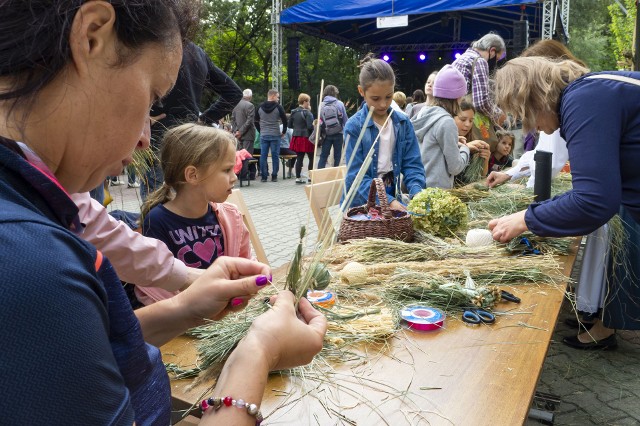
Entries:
{"x":396,"y":150}
{"x":188,"y":213}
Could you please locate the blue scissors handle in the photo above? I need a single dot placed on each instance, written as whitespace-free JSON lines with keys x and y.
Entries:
{"x":509,"y":297}
{"x":530,"y":249}
{"x":476,"y":316}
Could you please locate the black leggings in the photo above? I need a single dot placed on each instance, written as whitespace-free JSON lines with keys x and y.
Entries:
{"x":299,"y":161}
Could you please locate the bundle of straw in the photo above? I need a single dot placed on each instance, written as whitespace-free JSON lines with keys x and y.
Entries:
{"x":558,"y":246}
{"x":474,"y":171}
{"x":486,"y":271}
{"x":380,"y":250}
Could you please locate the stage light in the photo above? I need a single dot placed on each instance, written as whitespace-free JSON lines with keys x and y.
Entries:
{"x":422,"y":57}
{"x":386,"y":57}
{"x":457,"y":55}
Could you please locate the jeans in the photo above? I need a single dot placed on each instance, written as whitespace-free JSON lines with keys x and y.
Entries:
{"x":334,"y":141}
{"x":131,"y":174}
{"x":98,"y":193}
{"x":266,"y":143}
{"x":153,"y":180}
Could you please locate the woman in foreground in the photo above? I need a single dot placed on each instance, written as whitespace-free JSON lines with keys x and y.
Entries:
{"x":77,"y":81}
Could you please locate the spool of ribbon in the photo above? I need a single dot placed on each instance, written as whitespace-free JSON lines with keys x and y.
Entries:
{"x":323,"y":298}
{"x":422,"y":318}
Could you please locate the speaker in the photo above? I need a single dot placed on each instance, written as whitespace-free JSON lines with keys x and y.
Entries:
{"x":293,"y":62}
{"x":520,"y":36}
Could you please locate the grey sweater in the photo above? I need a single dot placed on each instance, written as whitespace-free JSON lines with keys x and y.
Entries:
{"x":437,"y":135}
{"x":269,"y":115}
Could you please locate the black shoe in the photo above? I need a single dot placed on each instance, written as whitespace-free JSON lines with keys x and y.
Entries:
{"x":274,"y":178}
{"x":263,"y":180}
{"x":574,"y":323}
{"x":604,"y":344}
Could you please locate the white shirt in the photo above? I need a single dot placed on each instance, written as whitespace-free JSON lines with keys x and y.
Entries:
{"x":527,"y":166}
{"x":386,"y":146}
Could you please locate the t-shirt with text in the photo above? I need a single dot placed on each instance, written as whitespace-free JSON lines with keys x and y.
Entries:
{"x":196,"y":242}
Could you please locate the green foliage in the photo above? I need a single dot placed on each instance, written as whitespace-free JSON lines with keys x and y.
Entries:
{"x":622,"y":28}
{"x":590,"y":37}
{"x":236,"y":34}
{"x":438,"y":212}
{"x":320,"y":59}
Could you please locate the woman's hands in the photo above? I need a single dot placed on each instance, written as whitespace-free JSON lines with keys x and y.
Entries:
{"x":508,"y":227}
{"x":480,"y":147}
{"x":497,"y":178}
{"x":284,"y":337}
{"x":225,"y":286}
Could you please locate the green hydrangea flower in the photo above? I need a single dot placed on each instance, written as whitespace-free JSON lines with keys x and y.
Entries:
{"x":437,"y":212}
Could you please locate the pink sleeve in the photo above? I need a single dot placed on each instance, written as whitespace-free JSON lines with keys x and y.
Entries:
{"x":245,"y":244}
{"x":136,"y":258}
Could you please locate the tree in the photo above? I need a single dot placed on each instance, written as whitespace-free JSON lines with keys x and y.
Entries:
{"x":590,"y":37}
{"x":237,"y":37}
{"x":622,"y":28}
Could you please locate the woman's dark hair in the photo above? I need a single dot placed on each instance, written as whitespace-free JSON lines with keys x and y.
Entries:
{"x":419,"y":96}
{"x":467,"y":104}
{"x":34,"y":36}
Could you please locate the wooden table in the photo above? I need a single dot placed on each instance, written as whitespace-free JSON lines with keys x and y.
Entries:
{"x":460,"y":375}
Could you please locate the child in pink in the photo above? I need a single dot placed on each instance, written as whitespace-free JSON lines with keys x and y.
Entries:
{"x":188,"y":212}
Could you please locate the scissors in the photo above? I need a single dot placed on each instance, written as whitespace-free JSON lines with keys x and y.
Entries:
{"x":530,"y":249}
{"x":509,"y":297}
{"x":477,"y":315}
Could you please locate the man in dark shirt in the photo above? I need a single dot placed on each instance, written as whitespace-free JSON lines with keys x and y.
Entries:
{"x":267,"y":116}
{"x":182,"y":104}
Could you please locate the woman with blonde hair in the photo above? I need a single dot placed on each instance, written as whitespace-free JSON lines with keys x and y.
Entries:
{"x":599,"y":116}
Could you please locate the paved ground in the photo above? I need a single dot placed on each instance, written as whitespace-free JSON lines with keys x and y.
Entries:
{"x":595,"y":388}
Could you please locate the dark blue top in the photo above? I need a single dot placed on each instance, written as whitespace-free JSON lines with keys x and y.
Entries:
{"x":72,"y":348}
{"x":196,"y":242}
{"x":600,"y":120}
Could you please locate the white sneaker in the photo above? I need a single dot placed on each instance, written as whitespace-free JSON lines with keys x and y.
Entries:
{"x":116,"y":182}
{"x":133,"y":185}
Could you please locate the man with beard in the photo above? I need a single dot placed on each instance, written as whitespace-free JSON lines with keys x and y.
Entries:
{"x":475,"y":64}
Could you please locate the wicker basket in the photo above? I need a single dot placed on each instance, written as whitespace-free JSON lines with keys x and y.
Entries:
{"x":394,"y":224}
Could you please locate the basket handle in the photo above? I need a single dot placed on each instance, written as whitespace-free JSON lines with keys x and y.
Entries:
{"x":377,"y":186}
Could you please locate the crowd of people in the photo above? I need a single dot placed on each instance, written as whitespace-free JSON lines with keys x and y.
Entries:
{"x":71,"y":332}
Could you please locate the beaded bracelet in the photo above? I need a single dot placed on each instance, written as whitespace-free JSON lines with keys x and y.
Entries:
{"x":217,"y":402}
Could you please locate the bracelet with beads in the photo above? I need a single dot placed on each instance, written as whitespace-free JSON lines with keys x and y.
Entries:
{"x":227,"y":401}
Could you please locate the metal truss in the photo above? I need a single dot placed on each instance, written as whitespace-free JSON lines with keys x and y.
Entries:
{"x":547,"y":19}
{"x":276,"y":46}
{"x":564,"y":17}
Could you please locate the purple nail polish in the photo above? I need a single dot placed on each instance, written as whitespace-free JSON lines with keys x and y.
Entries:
{"x":237,"y":301}
{"x":261,"y":280}
{"x":270,"y":278}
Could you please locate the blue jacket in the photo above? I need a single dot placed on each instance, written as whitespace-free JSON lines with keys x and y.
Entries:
{"x":69,"y":335}
{"x":600,"y":120}
{"x":406,"y":155}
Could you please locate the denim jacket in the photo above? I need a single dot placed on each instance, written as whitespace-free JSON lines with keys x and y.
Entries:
{"x":406,"y":155}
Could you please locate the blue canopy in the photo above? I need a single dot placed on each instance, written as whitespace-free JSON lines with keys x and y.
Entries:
{"x":433,"y":25}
